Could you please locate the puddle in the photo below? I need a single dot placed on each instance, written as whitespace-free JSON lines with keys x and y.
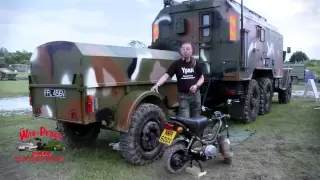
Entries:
{"x":14,"y":105}
{"x":237,"y":136}
{"x":300,"y":93}
{"x":20,"y":105}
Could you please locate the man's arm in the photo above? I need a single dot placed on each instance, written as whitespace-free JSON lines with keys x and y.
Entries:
{"x":200,"y":73}
{"x":162,"y":79}
{"x":200,"y":81}
{"x":171,"y":71}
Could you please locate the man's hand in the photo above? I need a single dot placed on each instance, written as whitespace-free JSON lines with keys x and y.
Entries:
{"x":154,"y":88}
{"x":193,"y":88}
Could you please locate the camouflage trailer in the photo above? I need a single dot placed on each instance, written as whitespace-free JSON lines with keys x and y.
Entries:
{"x":88,"y":87}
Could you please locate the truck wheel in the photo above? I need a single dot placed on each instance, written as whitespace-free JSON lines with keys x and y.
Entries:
{"x":140,"y":144}
{"x":266,"y":94}
{"x":252,"y":102}
{"x":75,"y":135}
{"x":284,"y":96}
{"x":295,"y":80}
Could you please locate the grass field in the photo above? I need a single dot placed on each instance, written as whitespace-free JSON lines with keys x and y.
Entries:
{"x":287,"y":138}
{"x":13,"y":88}
{"x":286,"y":146}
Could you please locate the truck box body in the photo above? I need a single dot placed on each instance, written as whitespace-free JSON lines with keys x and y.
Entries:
{"x":64,"y":74}
{"x":213,"y":27}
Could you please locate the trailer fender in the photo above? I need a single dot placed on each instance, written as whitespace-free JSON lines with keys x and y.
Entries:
{"x":127,"y":106}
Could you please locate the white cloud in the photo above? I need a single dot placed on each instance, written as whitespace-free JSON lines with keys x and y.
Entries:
{"x":28,"y":29}
{"x":143,"y":1}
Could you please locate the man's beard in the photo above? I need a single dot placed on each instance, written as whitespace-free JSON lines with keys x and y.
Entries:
{"x":187,"y":57}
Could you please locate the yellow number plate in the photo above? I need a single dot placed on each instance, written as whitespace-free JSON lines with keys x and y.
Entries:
{"x":167,"y":136}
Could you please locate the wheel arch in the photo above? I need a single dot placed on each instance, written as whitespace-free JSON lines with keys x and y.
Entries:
{"x":130,"y":102}
{"x":258,"y":73}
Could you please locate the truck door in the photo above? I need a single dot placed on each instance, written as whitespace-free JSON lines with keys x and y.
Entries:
{"x":205,"y":40}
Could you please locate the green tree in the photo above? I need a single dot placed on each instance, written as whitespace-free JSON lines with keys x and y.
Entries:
{"x":136,"y":44}
{"x":298,"y":56}
{"x":18,"y":57}
{"x":3,"y":52}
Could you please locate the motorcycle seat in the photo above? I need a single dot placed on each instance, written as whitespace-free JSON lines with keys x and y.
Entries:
{"x":195,"y":124}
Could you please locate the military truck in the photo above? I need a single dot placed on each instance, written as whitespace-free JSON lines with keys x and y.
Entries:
{"x":88,"y":87}
{"x":3,"y":62}
{"x":241,"y":53}
{"x":298,"y":72}
{"x":6,"y":73}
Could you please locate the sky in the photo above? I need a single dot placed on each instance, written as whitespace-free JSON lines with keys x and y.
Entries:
{"x":24,"y":25}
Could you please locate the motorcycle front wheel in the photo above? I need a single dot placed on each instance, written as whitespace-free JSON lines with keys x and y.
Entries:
{"x":175,"y":160}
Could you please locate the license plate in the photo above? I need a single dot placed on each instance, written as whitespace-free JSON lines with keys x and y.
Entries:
{"x":59,"y":93}
{"x":167,"y":136}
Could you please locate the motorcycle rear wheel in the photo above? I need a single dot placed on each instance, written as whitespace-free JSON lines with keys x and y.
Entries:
{"x":175,"y":160}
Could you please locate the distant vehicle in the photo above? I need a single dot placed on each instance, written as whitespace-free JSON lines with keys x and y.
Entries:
{"x":2,"y":62}
{"x":5,"y":73}
{"x":298,"y":72}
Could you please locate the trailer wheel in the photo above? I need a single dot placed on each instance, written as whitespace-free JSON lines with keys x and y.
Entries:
{"x":284,"y":96}
{"x":75,"y":135}
{"x":266,"y":94}
{"x":140,"y":144}
{"x":252,"y":102}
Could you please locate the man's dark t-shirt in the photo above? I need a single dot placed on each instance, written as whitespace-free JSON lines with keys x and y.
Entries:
{"x":187,"y":76}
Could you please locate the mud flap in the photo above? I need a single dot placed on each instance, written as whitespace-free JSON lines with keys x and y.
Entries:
{"x":236,"y":110}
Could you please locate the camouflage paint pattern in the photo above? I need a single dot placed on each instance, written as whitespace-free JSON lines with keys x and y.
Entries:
{"x":219,"y":52}
{"x":117,"y":77}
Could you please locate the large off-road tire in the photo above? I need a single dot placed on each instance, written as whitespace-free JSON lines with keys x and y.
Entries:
{"x":266,"y":94}
{"x":140,"y":144}
{"x":165,"y":44}
{"x":175,"y":160}
{"x":252,"y":102}
{"x":284,"y":96}
{"x":75,"y":135}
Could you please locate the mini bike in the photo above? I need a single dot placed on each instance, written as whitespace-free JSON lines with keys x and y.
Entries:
{"x":187,"y":142}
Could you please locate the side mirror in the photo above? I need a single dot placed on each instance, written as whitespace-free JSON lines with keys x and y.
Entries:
{"x":167,"y":2}
{"x":288,"y":50}
{"x":284,"y":55}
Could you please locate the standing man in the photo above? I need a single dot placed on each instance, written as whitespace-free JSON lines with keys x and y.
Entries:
{"x":190,"y":78}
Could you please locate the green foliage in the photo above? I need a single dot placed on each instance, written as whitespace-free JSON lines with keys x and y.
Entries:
{"x":314,"y":66}
{"x":18,"y":57}
{"x":298,"y":56}
{"x":136,"y":44}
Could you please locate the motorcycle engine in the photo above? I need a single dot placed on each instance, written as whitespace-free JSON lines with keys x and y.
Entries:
{"x":209,"y":151}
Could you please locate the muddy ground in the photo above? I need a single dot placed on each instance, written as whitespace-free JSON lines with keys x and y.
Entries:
{"x":285,"y":146}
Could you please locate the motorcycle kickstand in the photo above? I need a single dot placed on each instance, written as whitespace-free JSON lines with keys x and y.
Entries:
{"x":200,"y":166}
